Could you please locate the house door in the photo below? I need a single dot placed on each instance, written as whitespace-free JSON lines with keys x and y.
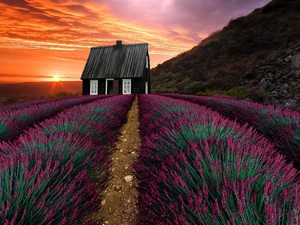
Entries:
{"x":109,"y":85}
{"x":126,"y":86}
{"x":116,"y":87}
{"x":93,"y":87}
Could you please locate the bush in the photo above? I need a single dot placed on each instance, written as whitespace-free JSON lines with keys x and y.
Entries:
{"x":10,"y":100}
{"x":239,"y":92}
{"x":194,"y":87}
{"x":223,"y":81}
{"x":257,"y":94}
{"x":209,"y":92}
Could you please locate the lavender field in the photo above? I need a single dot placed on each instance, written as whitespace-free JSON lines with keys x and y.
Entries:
{"x":203,"y":160}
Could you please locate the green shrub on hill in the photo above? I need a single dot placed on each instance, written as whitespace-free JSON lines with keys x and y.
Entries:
{"x":10,"y":100}
{"x":239,"y":92}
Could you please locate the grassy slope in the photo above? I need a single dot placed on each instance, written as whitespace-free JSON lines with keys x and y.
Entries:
{"x":219,"y":62}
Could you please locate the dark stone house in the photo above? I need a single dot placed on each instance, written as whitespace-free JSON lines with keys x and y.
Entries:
{"x":117,"y":69}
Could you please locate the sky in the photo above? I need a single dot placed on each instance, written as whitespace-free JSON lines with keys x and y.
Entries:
{"x":50,"y":40}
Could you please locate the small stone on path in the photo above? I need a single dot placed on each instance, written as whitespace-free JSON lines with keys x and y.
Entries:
{"x":128,"y":178}
{"x":117,"y":187}
{"x":129,"y":210}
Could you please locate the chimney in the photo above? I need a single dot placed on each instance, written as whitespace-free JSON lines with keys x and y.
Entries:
{"x":118,"y":43}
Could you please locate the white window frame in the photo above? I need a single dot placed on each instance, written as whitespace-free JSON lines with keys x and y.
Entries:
{"x":93,"y":87}
{"x":146,"y":87}
{"x":106,"y":84}
{"x":126,"y":86}
{"x":147,"y":62}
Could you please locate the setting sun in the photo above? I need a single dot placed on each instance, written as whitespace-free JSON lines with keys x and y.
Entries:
{"x":55,"y":78}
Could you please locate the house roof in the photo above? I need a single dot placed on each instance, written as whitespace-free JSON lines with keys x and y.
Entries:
{"x":116,"y":61}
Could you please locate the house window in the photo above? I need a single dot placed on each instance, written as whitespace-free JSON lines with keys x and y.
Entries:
{"x":126,"y":86}
{"x":93,"y":87}
{"x":147,"y":62}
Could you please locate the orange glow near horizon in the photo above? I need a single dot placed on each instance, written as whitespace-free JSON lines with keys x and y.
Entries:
{"x":41,"y":37}
{"x":56,"y":78}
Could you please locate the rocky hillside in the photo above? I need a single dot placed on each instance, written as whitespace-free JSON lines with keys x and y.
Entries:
{"x":239,"y":59}
{"x":278,"y":78}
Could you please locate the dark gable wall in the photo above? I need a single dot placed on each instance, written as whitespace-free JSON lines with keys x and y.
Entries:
{"x":101,"y":87}
{"x":138,"y":84}
{"x":146,"y":77}
{"x":136,"y":87}
{"x":85,"y":87}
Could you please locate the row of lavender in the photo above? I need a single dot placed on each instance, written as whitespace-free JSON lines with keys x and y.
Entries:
{"x":48,"y":174}
{"x":26,"y":104}
{"x":21,"y":105}
{"x":197,"y":167}
{"x":16,"y":119}
{"x":281,"y":126}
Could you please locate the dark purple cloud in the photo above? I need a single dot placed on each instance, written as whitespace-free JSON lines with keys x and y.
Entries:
{"x":194,"y":16}
{"x":187,"y":21}
{"x":18,"y":3}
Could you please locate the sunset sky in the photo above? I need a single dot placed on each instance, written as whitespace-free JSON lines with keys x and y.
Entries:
{"x":44,"y":40}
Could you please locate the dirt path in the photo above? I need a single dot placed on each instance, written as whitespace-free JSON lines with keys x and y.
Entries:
{"x":119,"y":205}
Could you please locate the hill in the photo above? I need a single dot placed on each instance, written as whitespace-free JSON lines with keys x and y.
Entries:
{"x":13,"y":92}
{"x":223,"y":62}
